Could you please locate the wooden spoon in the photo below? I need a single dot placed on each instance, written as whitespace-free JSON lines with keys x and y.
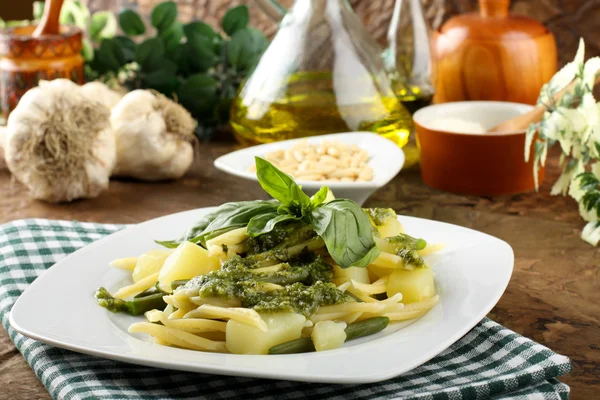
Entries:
{"x":534,"y":116}
{"x":49,"y":23}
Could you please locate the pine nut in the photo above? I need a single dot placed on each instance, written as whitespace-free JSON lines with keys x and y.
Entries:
{"x":329,"y":160}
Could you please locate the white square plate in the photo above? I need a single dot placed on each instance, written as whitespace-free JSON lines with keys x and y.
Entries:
{"x":471,"y":275}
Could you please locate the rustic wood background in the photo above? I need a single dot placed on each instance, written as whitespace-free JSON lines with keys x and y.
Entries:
{"x":567,"y":19}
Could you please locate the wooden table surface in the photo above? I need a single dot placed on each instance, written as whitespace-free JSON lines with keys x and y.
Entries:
{"x":553,"y":296}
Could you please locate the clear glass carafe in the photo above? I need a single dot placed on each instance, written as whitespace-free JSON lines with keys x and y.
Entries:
{"x":408,"y":55}
{"x":322,"y":73}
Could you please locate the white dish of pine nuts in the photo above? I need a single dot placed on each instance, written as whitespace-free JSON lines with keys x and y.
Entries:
{"x":353,"y":165}
{"x":330,"y":160}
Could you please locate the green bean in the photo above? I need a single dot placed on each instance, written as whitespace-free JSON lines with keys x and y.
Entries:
{"x":366,"y":327}
{"x":140,"y":305}
{"x":301,"y":345}
{"x":137,"y":306}
{"x":354,"y":330}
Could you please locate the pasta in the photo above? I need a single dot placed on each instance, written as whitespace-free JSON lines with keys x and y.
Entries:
{"x":278,"y":284}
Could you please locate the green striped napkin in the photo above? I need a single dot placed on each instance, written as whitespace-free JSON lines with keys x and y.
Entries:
{"x":489,"y":362}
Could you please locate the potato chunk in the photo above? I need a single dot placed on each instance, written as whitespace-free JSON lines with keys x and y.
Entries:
{"x":187,"y":261}
{"x":415,"y":285}
{"x":328,"y":335}
{"x":346,"y":274}
{"x":149,"y":263}
{"x":281,"y":327}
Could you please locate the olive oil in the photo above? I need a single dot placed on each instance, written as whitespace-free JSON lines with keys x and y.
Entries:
{"x":413,"y":99}
{"x":308,"y":105}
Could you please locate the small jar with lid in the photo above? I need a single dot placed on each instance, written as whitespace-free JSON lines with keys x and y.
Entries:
{"x":25,"y":59}
{"x":492,"y":55}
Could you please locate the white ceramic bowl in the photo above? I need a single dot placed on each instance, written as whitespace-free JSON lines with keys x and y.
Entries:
{"x":385,"y":158}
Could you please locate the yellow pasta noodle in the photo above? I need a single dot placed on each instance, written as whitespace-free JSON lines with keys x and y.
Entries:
{"x":124,"y":263}
{"x":246,"y":316}
{"x":431,"y":248}
{"x":138,"y":287}
{"x":387,"y":260}
{"x":232,"y":237}
{"x":379,"y":286}
{"x":413,"y":310}
{"x":352,"y":307}
{"x":177,"y":337}
{"x":191,"y":325}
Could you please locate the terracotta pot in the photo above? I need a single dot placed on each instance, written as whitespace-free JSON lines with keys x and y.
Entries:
{"x":492,"y":55}
{"x":25,"y":59}
{"x":474,"y":164}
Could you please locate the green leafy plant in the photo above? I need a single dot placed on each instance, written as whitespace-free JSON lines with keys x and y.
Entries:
{"x":191,"y":63}
{"x":573,"y":122}
{"x":342,"y":225}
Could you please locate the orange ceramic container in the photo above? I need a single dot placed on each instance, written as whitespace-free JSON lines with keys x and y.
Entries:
{"x":492,"y":55}
{"x":25,"y":59}
{"x":474,"y":164}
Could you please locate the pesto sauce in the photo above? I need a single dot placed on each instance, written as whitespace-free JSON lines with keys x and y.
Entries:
{"x":288,"y":233}
{"x":380,"y":216}
{"x":406,"y":247}
{"x":304,"y":285}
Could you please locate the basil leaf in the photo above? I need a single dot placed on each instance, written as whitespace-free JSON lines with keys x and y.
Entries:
{"x":265,"y":223}
{"x":280,"y":185}
{"x":319,"y":197}
{"x":149,"y":53}
{"x":226,"y":217}
{"x":347,"y":233}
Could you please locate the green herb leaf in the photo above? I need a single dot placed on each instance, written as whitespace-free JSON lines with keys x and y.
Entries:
{"x":131,"y":23}
{"x":172,"y":36}
{"x":201,"y":54}
{"x":235,"y":18}
{"x":280,"y":185}
{"x":128,"y":47}
{"x":163,"y":15}
{"x":103,"y":24}
{"x":224,"y":218}
{"x":150,"y":53}
{"x":200,"y":28}
{"x":319,"y":197}
{"x":347,"y":233}
{"x":199,"y":94}
{"x":87,"y":50}
{"x":245,"y":47}
{"x":162,"y":75}
{"x":110,"y":55}
{"x":265,"y":223}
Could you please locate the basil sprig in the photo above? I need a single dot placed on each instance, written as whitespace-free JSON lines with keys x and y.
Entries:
{"x":341,"y":223}
{"x":227,"y":217}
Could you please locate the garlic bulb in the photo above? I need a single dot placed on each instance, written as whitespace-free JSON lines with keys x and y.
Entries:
{"x":59,"y":144}
{"x":154,"y":137}
{"x":98,"y":91}
{"x":3,"y":136}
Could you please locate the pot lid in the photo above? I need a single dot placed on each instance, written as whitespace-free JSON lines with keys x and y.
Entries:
{"x":495,"y":23}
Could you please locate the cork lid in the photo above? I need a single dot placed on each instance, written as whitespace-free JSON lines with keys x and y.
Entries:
{"x":494,"y":22}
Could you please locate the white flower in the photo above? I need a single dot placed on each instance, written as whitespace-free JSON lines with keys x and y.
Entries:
{"x":591,"y":233}
{"x":596,"y":169}
{"x":564,"y":125}
{"x":591,"y":68}
{"x":566,"y":179}
{"x":575,"y":186}
{"x":562,"y":78}
{"x":588,"y":215}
